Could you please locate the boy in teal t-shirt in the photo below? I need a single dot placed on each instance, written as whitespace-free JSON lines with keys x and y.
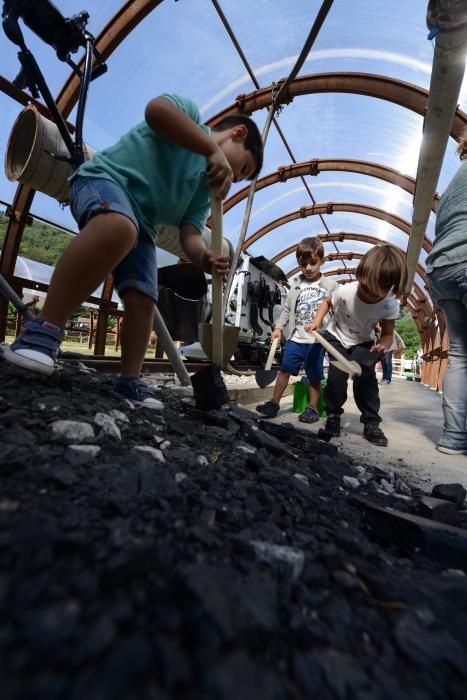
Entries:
{"x":159,"y":173}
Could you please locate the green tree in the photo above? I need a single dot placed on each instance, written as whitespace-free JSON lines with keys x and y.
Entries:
{"x":408,"y":331}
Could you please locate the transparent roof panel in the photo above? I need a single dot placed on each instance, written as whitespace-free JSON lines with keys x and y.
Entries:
{"x":184,"y":48}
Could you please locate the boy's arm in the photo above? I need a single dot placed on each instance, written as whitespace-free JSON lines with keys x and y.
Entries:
{"x":323,"y":309}
{"x":176,"y":127}
{"x":195,"y":249}
{"x":385,"y":339}
{"x":283,"y":319}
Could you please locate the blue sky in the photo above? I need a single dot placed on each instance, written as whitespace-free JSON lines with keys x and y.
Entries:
{"x":182,"y":47}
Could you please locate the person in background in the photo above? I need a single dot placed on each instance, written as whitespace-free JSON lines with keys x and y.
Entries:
{"x":446,"y":268}
{"x":307,"y":292}
{"x":398,"y":345}
{"x":357,"y":307}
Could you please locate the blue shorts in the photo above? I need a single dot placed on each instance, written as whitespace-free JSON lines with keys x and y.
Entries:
{"x":310,"y":355}
{"x":138,"y":270}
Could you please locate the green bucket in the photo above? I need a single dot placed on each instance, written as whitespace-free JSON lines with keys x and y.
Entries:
{"x":301,"y":398}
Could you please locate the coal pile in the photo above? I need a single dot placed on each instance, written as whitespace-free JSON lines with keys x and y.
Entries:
{"x":178,"y":554}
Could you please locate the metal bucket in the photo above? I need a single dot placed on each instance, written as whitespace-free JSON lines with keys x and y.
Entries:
{"x":33,"y":155}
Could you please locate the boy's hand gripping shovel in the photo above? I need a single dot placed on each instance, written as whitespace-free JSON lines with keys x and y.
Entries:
{"x":218,"y":341}
{"x":350,"y":366}
{"x":267,"y":375}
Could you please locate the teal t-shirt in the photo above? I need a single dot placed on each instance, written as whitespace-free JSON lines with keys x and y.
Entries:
{"x":166,"y":184}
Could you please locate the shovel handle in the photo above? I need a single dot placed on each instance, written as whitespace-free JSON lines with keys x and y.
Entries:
{"x":272,"y":352}
{"x":217,"y":284}
{"x":335,"y":353}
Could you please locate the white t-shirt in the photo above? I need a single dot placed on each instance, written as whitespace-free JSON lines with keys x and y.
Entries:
{"x":308,"y":302}
{"x":353,"y":320}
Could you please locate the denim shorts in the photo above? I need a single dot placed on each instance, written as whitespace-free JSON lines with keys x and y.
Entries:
{"x":310,"y":355}
{"x":138,"y":270}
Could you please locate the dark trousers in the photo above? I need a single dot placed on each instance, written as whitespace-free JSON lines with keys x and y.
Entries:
{"x":386,"y":364}
{"x":365,"y":387}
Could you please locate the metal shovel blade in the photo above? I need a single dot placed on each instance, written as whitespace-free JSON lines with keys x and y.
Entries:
{"x":267,"y":375}
{"x":264,"y":377}
{"x":230,"y":341}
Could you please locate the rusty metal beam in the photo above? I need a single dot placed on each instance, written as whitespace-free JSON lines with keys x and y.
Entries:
{"x":23,"y":98}
{"x":126,"y":19}
{"x":330,"y":208}
{"x":361,"y":237}
{"x":317,"y":165}
{"x":381,"y":87}
{"x":115,"y":31}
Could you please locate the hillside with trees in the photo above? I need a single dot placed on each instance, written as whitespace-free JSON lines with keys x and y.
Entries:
{"x":41,"y":242}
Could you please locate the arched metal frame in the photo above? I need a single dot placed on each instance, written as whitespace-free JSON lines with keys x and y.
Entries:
{"x":122,"y":23}
{"x":330,"y":208}
{"x":133,"y":12}
{"x":382,"y":87}
{"x":315,"y":166}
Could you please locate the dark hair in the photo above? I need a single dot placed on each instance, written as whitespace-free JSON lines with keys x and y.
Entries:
{"x":253,"y":141}
{"x":382,"y":268}
{"x":309,"y":247}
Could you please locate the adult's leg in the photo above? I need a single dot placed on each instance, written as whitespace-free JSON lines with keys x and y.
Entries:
{"x":388,"y":365}
{"x":383,"y":369}
{"x":455,"y":379}
{"x":136,"y":330}
{"x":89,"y":258}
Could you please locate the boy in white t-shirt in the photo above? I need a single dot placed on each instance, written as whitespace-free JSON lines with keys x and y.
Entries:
{"x":357,"y":307}
{"x":307,"y":292}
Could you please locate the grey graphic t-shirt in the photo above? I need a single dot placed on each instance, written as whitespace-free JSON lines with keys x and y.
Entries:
{"x":308,"y":302}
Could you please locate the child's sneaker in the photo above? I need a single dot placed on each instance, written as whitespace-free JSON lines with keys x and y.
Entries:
{"x":36,"y":348}
{"x":333,"y":426}
{"x":270,"y":409}
{"x":135,"y":390}
{"x":309,"y":415}
{"x":373,"y":433}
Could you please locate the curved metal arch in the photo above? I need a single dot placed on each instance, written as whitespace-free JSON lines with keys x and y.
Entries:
{"x":382,"y":87}
{"x":371,"y":240}
{"x":126,"y":19}
{"x":315,"y":166}
{"x":330,"y":208}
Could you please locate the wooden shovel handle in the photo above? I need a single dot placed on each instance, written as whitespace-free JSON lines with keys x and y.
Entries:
{"x":272,"y":352}
{"x":217,"y":284}
{"x":331,"y":350}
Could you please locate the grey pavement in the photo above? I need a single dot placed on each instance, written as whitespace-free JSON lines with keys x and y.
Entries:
{"x":412,"y":421}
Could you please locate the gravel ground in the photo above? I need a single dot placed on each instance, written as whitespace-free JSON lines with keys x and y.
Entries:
{"x":177,"y":554}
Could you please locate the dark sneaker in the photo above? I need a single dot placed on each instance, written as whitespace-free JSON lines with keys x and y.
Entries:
{"x":373,"y":433}
{"x":137,"y":391}
{"x":333,"y":426}
{"x":309,"y":415}
{"x":268,"y":409}
{"x":36,"y":348}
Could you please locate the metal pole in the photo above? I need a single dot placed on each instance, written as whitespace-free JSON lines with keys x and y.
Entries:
{"x":163,"y":337}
